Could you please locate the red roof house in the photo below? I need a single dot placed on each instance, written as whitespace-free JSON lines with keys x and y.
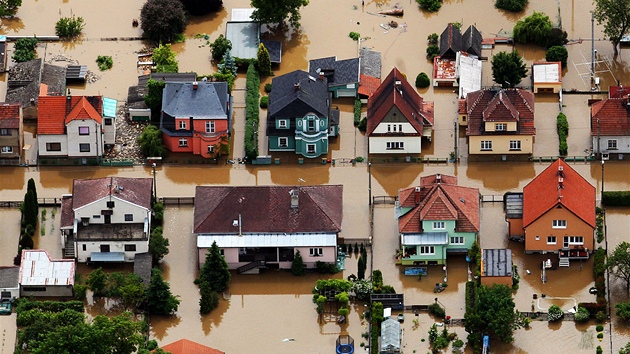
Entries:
{"x":11,"y":132}
{"x":610,"y":126}
{"x":185,"y":346}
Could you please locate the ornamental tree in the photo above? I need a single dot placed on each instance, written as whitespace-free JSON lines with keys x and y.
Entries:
{"x":615,"y":16}
{"x":162,"y":20}
{"x":533,"y":29}
{"x":508,"y":69}
{"x":278,"y":11}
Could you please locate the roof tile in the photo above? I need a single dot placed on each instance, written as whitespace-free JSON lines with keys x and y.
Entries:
{"x":613,"y":115}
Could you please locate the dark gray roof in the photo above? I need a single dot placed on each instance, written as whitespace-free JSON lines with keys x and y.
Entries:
{"x":135,"y":97}
{"x":450,"y":42}
{"x":497,"y":262}
{"x":24,"y":79}
{"x":286,"y":100}
{"x":337,"y":72}
{"x":142,"y":264}
{"x":55,"y":77}
{"x":76,"y":72}
{"x":167,"y":77}
{"x":207,"y":101}
{"x":513,"y":205}
{"x":370,"y":62}
{"x":9,"y":277}
{"x":274,"y":48}
{"x":334,"y":117}
{"x":471,"y":41}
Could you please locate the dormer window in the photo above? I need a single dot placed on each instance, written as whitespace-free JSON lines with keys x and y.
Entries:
{"x":500,"y":127}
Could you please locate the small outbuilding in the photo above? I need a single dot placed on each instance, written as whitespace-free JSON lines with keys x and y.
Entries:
{"x":41,"y":276}
{"x":390,"y":336}
{"x":496,"y":267}
{"x":9,"y":284}
{"x":547,"y":77}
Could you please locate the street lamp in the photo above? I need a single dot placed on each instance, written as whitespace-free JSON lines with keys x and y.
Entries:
{"x":370,"y":183}
{"x":154,"y":185}
{"x":602,"y":180}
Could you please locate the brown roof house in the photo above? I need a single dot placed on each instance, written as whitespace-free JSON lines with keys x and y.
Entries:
{"x":264,"y":226}
{"x":11,"y":133}
{"x":107,"y":219}
{"x":185,"y":346}
{"x":398,"y":118}
{"x":559,"y":213}
{"x":610,"y":126}
{"x":435,"y":219}
{"x":499,"y":122}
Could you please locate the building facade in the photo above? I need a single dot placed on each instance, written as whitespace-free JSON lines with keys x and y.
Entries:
{"x":11,"y":133}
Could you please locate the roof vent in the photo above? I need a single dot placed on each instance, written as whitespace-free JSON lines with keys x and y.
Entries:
{"x":294,"y":198}
{"x":234,"y":223}
{"x":296,"y":86}
{"x":397,"y":83}
{"x":195,"y":85}
{"x":438,"y":177}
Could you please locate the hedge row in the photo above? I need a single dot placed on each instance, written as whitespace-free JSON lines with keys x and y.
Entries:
{"x":563,"y":132}
{"x":616,"y":198}
{"x":357,"y":112}
{"x":49,"y":306}
{"x":251,"y":112}
{"x":599,"y":272}
{"x":470,"y":295}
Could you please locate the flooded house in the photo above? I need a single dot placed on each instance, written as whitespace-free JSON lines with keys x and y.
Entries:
{"x":436,"y":219}
{"x":106,"y":219}
{"x":42,"y":276}
{"x":458,"y":64}
{"x":300,"y":116}
{"x":499,"y":122}
{"x":343,"y":76}
{"x":185,"y":346}
{"x":496,"y":267}
{"x":610,"y":127}
{"x":547,"y":77}
{"x":265,"y":226}
{"x":11,"y":133}
{"x":398,"y":118}
{"x":559,"y":214}
{"x":196,"y":117}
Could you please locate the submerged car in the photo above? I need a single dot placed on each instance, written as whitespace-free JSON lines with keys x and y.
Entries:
{"x":5,"y":308}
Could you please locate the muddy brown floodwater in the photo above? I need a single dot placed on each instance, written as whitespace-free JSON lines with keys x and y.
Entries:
{"x":260,"y":311}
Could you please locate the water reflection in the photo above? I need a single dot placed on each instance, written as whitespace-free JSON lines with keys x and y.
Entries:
{"x":394,"y":176}
{"x":506,"y":176}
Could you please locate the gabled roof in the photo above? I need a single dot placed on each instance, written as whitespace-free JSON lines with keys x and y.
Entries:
{"x":613,"y":115}
{"x":504,"y":105}
{"x":368,"y":85}
{"x":471,"y":41}
{"x":337,"y":72}
{"x":450,"y":41}
{"x":296,"y":93}
{"x":185,"y":346}
{"x":546,"y":191}
{"x":395,"y":91}
{"x":134,"y":190}
{"x":54,"y":112}
{"x":267,"y":209}
{"x":207,"y":101}
{"x":10,"y":115}
{"x":439,"y":199}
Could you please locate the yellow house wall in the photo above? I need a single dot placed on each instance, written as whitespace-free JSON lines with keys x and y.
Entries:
{"x":543,"y":227}
{"x":463,"y":119}
{"x":511,"y":126}
{"x":501,"y":144}
{"x":547,"y":86}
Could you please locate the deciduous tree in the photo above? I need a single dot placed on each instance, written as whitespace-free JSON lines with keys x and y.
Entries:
{"x":430,"y":5}
{"x":158,"y":245}
{"x":24,"y":49}
{"x":277,"y":11}
{"x":219,"y":47}
{"x":557,"y":53}
{"x":151,"y":142}
{"x":615,"y":16}
{"x":495,"y":313}
{"x":97,"y":281}
{"x":618,"y":263}
{"x":508,"y":69}
{"x":164,"y":59}
{"x":511,"y":5}
{"x":533,"y":29}
{"x":153,"y":98}
{"x":8,"y":8}
{"x":162,"y":20}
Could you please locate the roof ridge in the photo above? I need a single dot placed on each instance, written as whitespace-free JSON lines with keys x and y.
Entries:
{"x":332,"y":221}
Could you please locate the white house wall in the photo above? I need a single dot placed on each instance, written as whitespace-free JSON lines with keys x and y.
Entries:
{"x":94,"y":138}
{"x":43,"y":139}
{"x":407,"y":128}
{"x":121,"y":207}
{"x":109,"y":135}
{"x":84,"y":249}
{"x":329,"y":255}
{"x":623,"y":145}
{"x":378,"y":144}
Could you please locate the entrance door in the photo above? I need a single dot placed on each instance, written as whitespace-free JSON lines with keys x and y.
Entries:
{"x":104,"y":248}
{"x":108,"y":219}
{"x":565,"y":243}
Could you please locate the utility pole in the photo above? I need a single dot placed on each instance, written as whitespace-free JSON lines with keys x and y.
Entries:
{"x":455,"y":138}
{"x":592,"y":50}
{"x":370,"y":183}
{"x":599,"y":151}
{"x":154,"y":185}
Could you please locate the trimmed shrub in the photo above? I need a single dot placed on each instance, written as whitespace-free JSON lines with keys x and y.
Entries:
{"x":432,"y":51}
{"x":354,"y":35}
{"x":592,"y":307}
{"x":582,"y":315}
{"x":251,"y":112}
{"x":511,"y":5}
{"x":268,"y":87}
{"x":616,"y":198}
{"x":264,"y":102}
{"x":357,"y":112}
{"x":437,"y":311}
{"x":422,"y":80}
{"x":562,"y":126}
{"x":599,"y":328}
{"x":554,"y":313}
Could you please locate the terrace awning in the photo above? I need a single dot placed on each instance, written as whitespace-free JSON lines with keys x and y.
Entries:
{"x":107,"y":257}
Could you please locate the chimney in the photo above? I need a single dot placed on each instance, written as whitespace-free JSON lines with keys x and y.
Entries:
{"x":294,"y":198}
{"x":296,"y":86}
{"x":195,"y":85}
{"x":321,"y":75}
{"x":438,"y":178}
{"x":416,"y":196}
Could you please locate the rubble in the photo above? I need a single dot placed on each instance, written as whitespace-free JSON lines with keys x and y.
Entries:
{"x":127,"y":133}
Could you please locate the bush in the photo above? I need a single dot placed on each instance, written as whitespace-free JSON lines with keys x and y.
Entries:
{"x":432,"y":51}
{"x":430,"y":5}
{"x":557,"y":53}
{"x":264,"y":101}
{"x":24,"y":49}
{"x":268,"y":87}
{"x":219,"y":47}
{"x":437,"y":311}
{"x":422,"y":80}
{"x":433,"y":39}
{"x":600,"y":335}
{"x":80,"y":291}
{"x":104,"y":62}
{"x":297,"y":265}
{"x":69,"y":26}
{"x":582,"y":315}
{"x":562,"y":126}
{"x":554,"y":313}
{"x":354,"y":35}
{"x":511,"y":5}
{"x":599,"y":350}
{"x":357,"y":112}
{"x":362,"y":125}
{"x":251,"y":112}
{"x":533,"y":29}
{"x":616,"y":198}
{"x":162,"y":20}
{"x":599,"y":328}
{"x":601,"y":316}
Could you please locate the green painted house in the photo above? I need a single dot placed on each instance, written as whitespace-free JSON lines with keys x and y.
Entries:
{"x":300,"y":117}
{"x":436,"y":219}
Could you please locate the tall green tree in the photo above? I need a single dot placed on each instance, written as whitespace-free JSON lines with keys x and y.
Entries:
{"x":511,"y":5}
{"x":164,"y":59}
{"x":209,"y":298}
{"x":618,"y":263}
{"x":162,"y":20}
{"x":297,"y":266}
{"x":153,"y":99}
{"x":264,"y":61}
{"x":508,"y":69}
{"x":533,"y":29}
{"x":430,"y":5}
{"x":97,"y":281}
{"x":158,"y":245}
{"x":278,"y":11}
{"x":24,"y":49}
{"x":160,"y":300}
{"x":29,"y":210}
{"x":151,"y":142}
{"x":228,"y":64}
{"x":219,"y":47}
{"x":8,"y":8}
{"x":615,"y":16}
{"x":496,"y":312}
{"x":215,"y":271}
{"x":557,"y":53}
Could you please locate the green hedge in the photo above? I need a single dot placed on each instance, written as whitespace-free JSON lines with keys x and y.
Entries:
{"x":251,"y":112}
{"x":563,"y":132}
{"x":49,"y":306}
{"x":470,"y":295}
{"x":599,"y":272}
{"x":357,"y":112}
{"x":616,"y":198}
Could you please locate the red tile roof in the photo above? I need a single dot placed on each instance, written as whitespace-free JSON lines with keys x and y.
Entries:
{"x":10,"y":115}
{"x":67,"y":214}
{"x":618,"y":92}
{"x":546,"y":191}
{"x":613,"y":115}
{"x":405,"y":98}
{"x":134,"y":190}
{"x":185,"y":346}
{"x":267,"y":209}
{"x":368,"y":85}
{"x":53,"y":112}
{"x":505,"y":105}
{"x":439,"y":201}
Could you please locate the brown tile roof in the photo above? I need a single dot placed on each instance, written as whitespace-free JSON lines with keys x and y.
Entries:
{"x":543,"y":193}
{"x":613,"y":115}
{"x":134,"y":190}
{"x":368,"y":85}
{"x":461,"y":106}
{"x":505,"y":105}
{"x":439,"y":201}
{"x":54,"y":112}
{"x":185,"y":346}
{"x":67,"y":214}
{"x":10,"y":115}
{"x":405,"y":98}
{"x":267,"y":209}
{"x":618,"y":92}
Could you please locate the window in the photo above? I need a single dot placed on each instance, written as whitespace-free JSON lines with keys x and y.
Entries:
{"x":559,"y":224}
{"x":551,"y":240}
{"x":84,"y":130}
{"x":389,"y":128}
{"x":183,"y":142}
{"x":182,"y":124}
{"x":612,"y":144}
{"x":7,"y":149}
{"x":84,"y":247}
{"x":486,"y":145}
{"x":104,"y":248}
{"x":400,"y":128}
{"x":96,"y":216}
{"x":210,"y":149}
{"x":282,"y":123}
{"x":34,"y":289}
{"x":108,"y":121}
{"x":283,"y":142}
{"x":53,"y":146}
{"x":537,"y":238}
{"x":457,"y":240}
{"x":438,"y":225}
{"x":316,"y":252}
{"x":394,"y":128}
{"x":515,"y":144}
{"x":427,"y":250}
{"x":500,"y":127}
{"x":84,"y":147}
{"x":110,"y":204}
{"x":130,"y":248}
{"x":128,"y":217}
{"x":4,"y":132}
{"x":310,"y":148}
{"x":311,"y":125}
{"x":210,"y":127}
{"x":395,"y":145}
{"x":575,"y":240}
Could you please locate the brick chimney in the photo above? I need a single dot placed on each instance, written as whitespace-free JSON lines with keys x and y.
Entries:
{"x":195,"y":85}
{"x":416,"y":195}
{"x":296,"y":86}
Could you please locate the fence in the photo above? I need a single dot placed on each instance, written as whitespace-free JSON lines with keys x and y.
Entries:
{"x":384,"y":199}
{"x":491,"y":198}
{"x":177,"y":200}
{"x":118,"y":162}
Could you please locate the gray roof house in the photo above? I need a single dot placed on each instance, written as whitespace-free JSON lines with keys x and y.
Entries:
{"x":343,"y":76}
{"x":450,"y":42}
{"x":9,"y":283}
{"x":471,"y":41}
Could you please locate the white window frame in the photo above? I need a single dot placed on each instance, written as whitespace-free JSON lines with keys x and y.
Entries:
{"x":316,"y":252}
{"x":400,"y":130}
{"x":49,"y":146}
{"x":182,"y":124}
{"x":457,"y":240}
{"x":7,"y":149}
{"x":183,"y":142}
{"x":283,"y":142}
{"x":82,"y":147}
{"x":559,"y":224}
{"x":426,"y":250}
{"x":552,"y":240}
{"x":576,"y":240}
{"x":210,"y":149}
{"x":439,"y":225}
{"x":389,"y":128}
{"x":395,"y":145}
{"x":500,"y":127}
{"x":486,"y":145}
{"x":282,"y":124}
{"x":311,"y":125}
{"x":5,"y":132}
{"x":515,"y":145}
{"x":210,"y":128}
{"x":612,"y":144}
{"x":311,"y":148}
